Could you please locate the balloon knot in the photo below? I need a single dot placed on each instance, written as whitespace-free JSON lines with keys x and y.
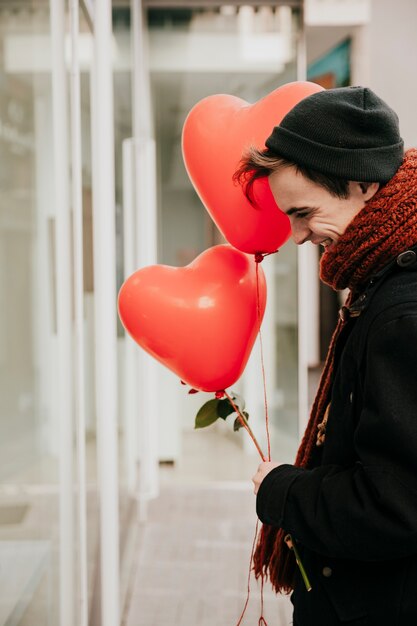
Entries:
{"x":219,"y":395}
{"x":259,"y":257}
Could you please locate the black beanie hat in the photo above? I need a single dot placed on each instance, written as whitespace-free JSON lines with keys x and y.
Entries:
{"x":347,"y":132}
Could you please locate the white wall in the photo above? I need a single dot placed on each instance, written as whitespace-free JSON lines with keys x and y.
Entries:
{"x":392,"y":60}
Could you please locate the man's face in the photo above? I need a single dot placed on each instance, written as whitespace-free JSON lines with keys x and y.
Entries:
{"x":315,"y":214}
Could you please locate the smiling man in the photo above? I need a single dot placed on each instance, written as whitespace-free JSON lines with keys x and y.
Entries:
{"x":348,"y":505}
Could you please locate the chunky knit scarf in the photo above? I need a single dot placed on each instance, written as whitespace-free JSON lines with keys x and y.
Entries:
{"x":385,"y":227}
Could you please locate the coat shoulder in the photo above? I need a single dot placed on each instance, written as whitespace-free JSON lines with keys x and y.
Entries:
{"x":397,"y":296}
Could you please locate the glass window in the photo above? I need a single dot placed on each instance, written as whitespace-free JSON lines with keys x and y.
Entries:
{"x":29,"y":417}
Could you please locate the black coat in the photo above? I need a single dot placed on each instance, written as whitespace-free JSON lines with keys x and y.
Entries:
{"x":354,"y":515}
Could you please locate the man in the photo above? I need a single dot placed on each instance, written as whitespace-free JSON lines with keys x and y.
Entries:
{"x":348,"y":505}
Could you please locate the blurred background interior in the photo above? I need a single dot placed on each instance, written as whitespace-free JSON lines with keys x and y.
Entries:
{"x":113,"y":509}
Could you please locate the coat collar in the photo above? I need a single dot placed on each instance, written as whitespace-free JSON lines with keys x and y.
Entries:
{"x":405,"y":261}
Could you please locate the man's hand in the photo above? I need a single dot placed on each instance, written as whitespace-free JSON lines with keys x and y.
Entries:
{"x":263,"y":470}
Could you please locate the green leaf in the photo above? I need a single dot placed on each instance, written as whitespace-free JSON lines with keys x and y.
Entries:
{"x":237,"y":425}
{"x":207,"y":415}
{"x":224,"y":408}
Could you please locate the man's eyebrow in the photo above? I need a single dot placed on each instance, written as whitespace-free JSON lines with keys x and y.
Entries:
{"x":295,"y":209}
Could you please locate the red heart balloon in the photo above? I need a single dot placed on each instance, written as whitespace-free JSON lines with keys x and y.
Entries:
{"x":201,"y":320}
{"x":216,"y":133}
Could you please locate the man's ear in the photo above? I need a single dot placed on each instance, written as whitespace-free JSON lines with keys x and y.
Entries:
{"x":364,"y":191}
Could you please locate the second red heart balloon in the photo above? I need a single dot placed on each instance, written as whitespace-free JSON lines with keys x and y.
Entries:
{"x":217,"y":131}
{"x":201,"y":320}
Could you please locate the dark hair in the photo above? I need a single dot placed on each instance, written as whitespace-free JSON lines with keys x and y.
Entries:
{"x":259,"y":163}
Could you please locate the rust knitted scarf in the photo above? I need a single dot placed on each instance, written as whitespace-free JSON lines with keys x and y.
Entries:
{"x":384,"y":228}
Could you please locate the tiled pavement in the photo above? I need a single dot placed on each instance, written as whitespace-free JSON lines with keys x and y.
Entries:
{"x":194,"y":549}
{"x":194,"y":553}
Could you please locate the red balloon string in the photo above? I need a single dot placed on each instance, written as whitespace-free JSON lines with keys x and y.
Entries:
{"x":244,"y":424}
{"x":262,"y":620}
{"x":249,"y":574}
{"x":258,"y":304}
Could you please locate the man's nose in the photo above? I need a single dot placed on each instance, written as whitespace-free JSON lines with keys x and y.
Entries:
{"x":300,"y":234}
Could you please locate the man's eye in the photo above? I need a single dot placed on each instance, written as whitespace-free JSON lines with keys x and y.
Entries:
{"x":301,"y":215}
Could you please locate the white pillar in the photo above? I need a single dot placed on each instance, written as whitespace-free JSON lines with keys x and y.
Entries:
{"x":64,"y":308}
{"x":79,"y":389}
{"x":307,"y":323}
{"x":144,"y":164}
{"x":105,"y":309}
{"x":141,"y":89}
{"x":130,"y":360}
{"x":148,"y":389}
